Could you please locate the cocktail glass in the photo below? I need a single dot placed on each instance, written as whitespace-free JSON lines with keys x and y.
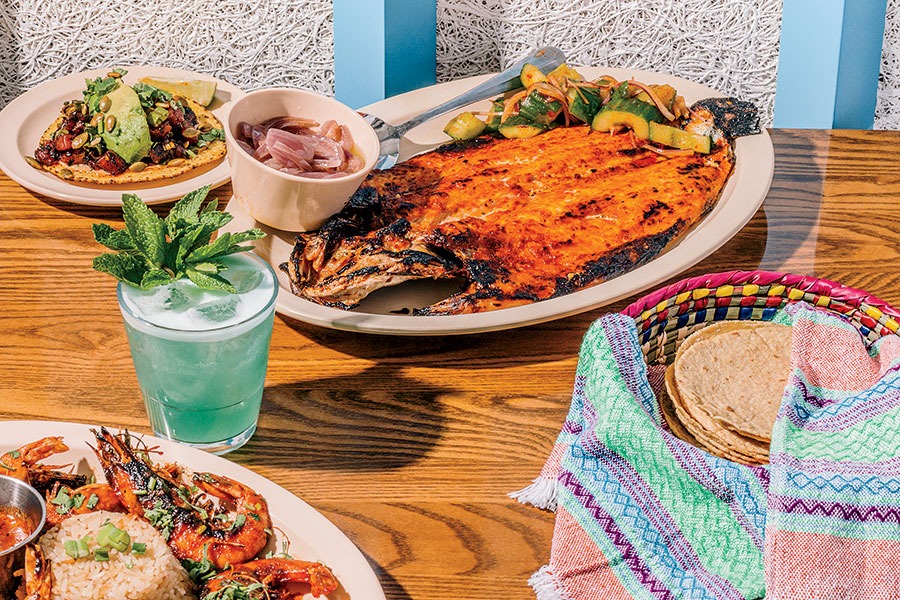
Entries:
{"x":201,"y":356}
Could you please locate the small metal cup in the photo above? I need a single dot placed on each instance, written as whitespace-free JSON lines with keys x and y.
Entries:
{"x":18,"y":494}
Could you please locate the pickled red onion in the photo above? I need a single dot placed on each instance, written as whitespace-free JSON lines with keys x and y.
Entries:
{"x":300,"y":146}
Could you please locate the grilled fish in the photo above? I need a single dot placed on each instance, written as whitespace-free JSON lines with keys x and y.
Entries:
{"x":519,"y":220}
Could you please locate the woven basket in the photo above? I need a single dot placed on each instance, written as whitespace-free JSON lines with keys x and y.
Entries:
{"x":667,"y":316}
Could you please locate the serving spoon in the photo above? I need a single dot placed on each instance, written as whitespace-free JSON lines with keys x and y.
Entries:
{"x":546,"y":59}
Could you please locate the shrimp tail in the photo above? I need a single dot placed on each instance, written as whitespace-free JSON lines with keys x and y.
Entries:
{"x":38,"y":583}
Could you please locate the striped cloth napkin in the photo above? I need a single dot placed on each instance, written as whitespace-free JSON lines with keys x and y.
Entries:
{"x":643,"y":514}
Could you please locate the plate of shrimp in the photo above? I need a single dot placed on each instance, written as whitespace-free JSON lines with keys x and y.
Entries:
{"x":231,"y":528}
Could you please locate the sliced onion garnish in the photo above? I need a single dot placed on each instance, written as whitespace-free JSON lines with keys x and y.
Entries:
{"x":346,"y":139}
{"x":300,"y":146}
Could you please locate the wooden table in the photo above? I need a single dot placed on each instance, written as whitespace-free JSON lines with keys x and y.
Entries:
{"x":410,"y":445}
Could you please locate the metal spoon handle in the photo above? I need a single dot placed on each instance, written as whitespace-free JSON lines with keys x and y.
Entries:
{"x":546,"y":59}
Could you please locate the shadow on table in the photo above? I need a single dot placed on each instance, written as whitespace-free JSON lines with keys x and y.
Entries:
{"x":349,"y":422}
{"x":543,"y":342}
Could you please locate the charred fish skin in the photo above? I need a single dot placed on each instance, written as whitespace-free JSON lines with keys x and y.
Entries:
{"x":520,"y":220}
{"x":731,"y":116}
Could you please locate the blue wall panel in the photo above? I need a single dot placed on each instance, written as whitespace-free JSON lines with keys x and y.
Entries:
{"x":383,"y":48}
{"x":828,"y":64}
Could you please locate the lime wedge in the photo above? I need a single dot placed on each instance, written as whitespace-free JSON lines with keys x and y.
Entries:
{"x":200,"y":91}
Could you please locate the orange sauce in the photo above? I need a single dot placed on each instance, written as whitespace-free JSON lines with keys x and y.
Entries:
{"x":15,"y":527}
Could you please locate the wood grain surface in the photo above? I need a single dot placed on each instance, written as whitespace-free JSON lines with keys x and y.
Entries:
{"x":410,"y":445}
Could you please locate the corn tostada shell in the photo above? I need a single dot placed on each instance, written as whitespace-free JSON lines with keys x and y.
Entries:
{"x":211,"y":153}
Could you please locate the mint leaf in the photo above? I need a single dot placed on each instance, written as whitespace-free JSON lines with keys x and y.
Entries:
{"x":215,"y":219}
{"x":112,"y":238}
{"x":225,"y":244}
{"x":207,"y":267}
{"x":187,"y":208}
{"x":191,"y":238}
{"x":147,"y":231}
{"x":155,"y":277}
{"x":210,"y":281}
{"x":152,"y":251}
{"x":124,"y":267}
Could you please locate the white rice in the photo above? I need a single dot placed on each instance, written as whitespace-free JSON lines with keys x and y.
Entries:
{"x":154,"y":575}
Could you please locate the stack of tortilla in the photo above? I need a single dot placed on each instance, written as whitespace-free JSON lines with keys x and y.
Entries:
{"x":725,"y":387}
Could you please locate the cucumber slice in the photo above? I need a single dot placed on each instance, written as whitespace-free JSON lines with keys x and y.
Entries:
{"x":679,"y":138}
{"x":530,"y":74}
{"x":627,"y":112}
{"x":518,"y":127}
{"x":535,"y":107}
{"x":565,"y":71}
{"x":465,"y":126}
{"x":585,"y":103}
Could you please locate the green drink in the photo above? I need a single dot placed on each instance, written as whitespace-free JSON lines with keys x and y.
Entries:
{"x":200,"y":355}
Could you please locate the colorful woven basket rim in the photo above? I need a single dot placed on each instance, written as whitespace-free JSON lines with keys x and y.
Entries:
{"x":804,"y":283}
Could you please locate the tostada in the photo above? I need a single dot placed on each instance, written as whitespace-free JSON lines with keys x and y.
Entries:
{"x":120,"y":133}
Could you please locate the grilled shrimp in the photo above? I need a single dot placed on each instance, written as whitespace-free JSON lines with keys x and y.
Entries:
{"x":23,"y":463}
{"x":271,"y":579}
{"x":81,"y":500}
{"x":37,"y":574}
{"x":201,"y":515}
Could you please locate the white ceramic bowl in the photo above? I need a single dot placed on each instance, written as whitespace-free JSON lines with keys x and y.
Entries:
{"x":290,"y":202}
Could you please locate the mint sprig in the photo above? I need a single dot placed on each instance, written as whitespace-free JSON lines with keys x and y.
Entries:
{"x":151,"y":251}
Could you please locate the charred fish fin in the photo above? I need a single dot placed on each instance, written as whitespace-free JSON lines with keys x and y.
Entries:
{"x":732,"y":116}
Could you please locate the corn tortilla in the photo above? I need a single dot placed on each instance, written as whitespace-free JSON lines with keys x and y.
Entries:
{"x":736,"y":372}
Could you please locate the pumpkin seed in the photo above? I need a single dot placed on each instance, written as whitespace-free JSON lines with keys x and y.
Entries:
{"x":66,"y":173}
{"x":137,"y":167}
{"x":114,"y":74}
{"x":84,"y":110}
{"x":105,"y":103}
{"x":190,"y":132}
{"x":95,"y":142}
{"x":109,"y":123}
{"x":162,"y":104}
{"x":95,"y":120}
{"x":34,"y":163}
{"x":176,"y":162}
{"x":80,"y":140}
{"x":69,"y":110}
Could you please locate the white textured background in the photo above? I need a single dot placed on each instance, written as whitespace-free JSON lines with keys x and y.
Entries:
{"x":731,"y":45}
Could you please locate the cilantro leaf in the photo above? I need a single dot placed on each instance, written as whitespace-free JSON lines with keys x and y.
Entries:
{"x":150,"y":95}
{"x":213,"y":135}
{"x":151,"y":251}
{"x":99,"y":87}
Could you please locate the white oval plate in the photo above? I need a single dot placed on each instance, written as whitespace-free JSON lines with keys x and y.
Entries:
{"x":29,"y":115}
{"x":312,"y":537}
{"x":742,"y":196}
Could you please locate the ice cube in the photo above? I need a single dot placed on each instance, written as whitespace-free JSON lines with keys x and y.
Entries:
{"x":159,"y":299}
{"x":218,"y":310}
{"x":244,"y":280}
{"x":176,"y":299}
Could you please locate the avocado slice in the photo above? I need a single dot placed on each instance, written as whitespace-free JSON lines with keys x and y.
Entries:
{"x":130,"y":137}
